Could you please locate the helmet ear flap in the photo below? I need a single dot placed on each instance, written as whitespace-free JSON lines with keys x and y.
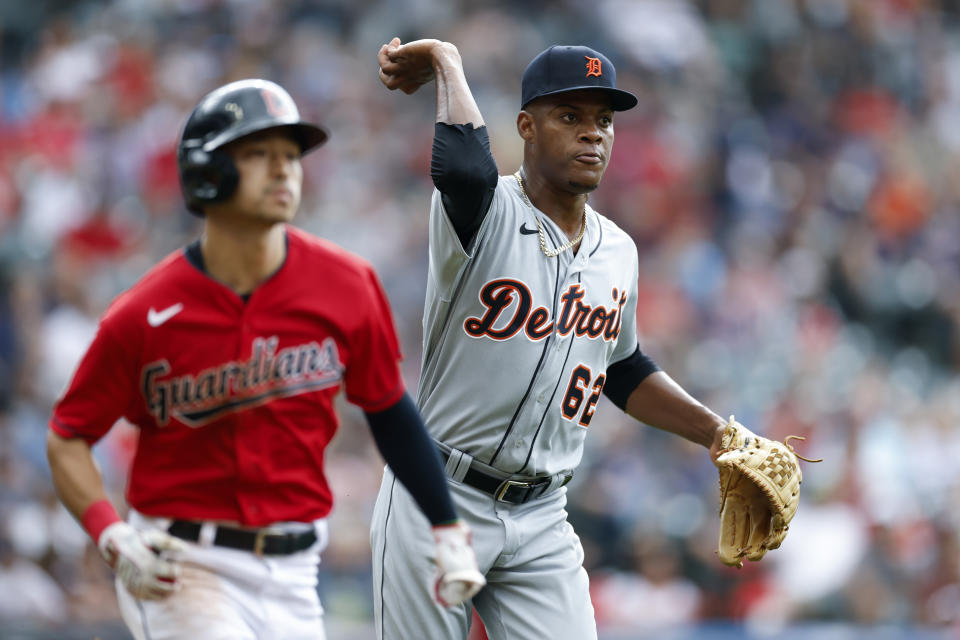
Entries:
{"x":206,"y":176}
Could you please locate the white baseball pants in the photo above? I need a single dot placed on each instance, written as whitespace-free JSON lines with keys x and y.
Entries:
{"x":228,"y":594}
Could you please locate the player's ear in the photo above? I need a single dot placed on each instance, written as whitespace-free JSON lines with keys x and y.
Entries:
{"x":525,"y":127}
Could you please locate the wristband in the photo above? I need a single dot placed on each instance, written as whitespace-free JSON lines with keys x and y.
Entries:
{"x":98,"y":517}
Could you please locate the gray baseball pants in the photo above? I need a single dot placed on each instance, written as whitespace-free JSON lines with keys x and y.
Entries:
{"x":536,"y":588}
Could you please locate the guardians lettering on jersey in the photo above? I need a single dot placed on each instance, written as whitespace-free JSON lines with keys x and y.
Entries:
{"x":583,"y":319}
{"x":232,"y":386}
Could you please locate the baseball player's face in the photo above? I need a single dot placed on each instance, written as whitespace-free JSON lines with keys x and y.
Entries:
{"x":270,"y":176}
{"x":570,"y":136}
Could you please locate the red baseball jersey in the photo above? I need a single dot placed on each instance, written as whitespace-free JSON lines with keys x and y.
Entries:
{"x":234,"y":398}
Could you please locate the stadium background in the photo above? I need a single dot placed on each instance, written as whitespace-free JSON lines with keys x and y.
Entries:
{"x":791,"y":179}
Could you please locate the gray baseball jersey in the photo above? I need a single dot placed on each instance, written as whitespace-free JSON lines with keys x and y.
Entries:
{"x":516,"y":347}
{"x":516,"y":344}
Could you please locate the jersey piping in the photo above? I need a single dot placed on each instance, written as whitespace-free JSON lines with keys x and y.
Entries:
{"x":461,"y":283}
{"x":536,"y":371}
{"x":546,"y":411}
{"x":429,"y":364}
{"x":599,"y":236}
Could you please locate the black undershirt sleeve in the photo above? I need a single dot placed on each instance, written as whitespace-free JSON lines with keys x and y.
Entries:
{"x":624,"y":376}
{"x":465,"y":173}
{"x":405,"y":445}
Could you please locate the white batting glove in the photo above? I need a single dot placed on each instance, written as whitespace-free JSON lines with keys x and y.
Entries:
{"x":135,"y":558}
{"x":458,"y":577}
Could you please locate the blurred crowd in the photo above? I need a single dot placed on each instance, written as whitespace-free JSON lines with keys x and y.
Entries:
{"x":791,"y":178}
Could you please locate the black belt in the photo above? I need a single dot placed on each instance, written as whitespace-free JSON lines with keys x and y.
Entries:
{"x":265,"y":542}
{"x":511,"y":491}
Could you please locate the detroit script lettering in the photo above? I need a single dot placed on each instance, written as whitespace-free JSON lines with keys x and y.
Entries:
{"x":509,"y":309}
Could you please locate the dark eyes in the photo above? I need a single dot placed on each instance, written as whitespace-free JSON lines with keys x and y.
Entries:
{"x":570,"y":118}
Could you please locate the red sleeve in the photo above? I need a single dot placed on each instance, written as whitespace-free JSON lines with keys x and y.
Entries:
{"x":373,"y":381}
{"x":99,"y":393}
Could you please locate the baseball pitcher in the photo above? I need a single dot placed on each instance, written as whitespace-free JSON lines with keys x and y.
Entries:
{"x":529,"y":317}
{"x":228,"y":355}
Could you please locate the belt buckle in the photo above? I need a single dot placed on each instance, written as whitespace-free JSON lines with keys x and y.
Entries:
{"x":505,"y":486}
{"x":260,"y":538}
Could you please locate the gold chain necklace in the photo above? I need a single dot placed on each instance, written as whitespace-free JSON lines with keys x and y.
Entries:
{"x":552,"y":253}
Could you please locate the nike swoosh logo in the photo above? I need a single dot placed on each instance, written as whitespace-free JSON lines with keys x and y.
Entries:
{"x":527,"y":232}
{"x":156,"y":318}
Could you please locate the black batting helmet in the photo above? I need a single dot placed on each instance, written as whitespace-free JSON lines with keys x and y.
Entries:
{"x":224,"y":115}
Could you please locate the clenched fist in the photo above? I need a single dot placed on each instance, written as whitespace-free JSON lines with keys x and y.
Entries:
{"x":410,"y":66}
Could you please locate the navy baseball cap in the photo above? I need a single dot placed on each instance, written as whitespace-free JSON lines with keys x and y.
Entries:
{"x":564,"y":68}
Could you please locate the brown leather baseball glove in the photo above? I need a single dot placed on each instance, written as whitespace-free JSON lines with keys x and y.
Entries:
{"x":759,"y":493}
